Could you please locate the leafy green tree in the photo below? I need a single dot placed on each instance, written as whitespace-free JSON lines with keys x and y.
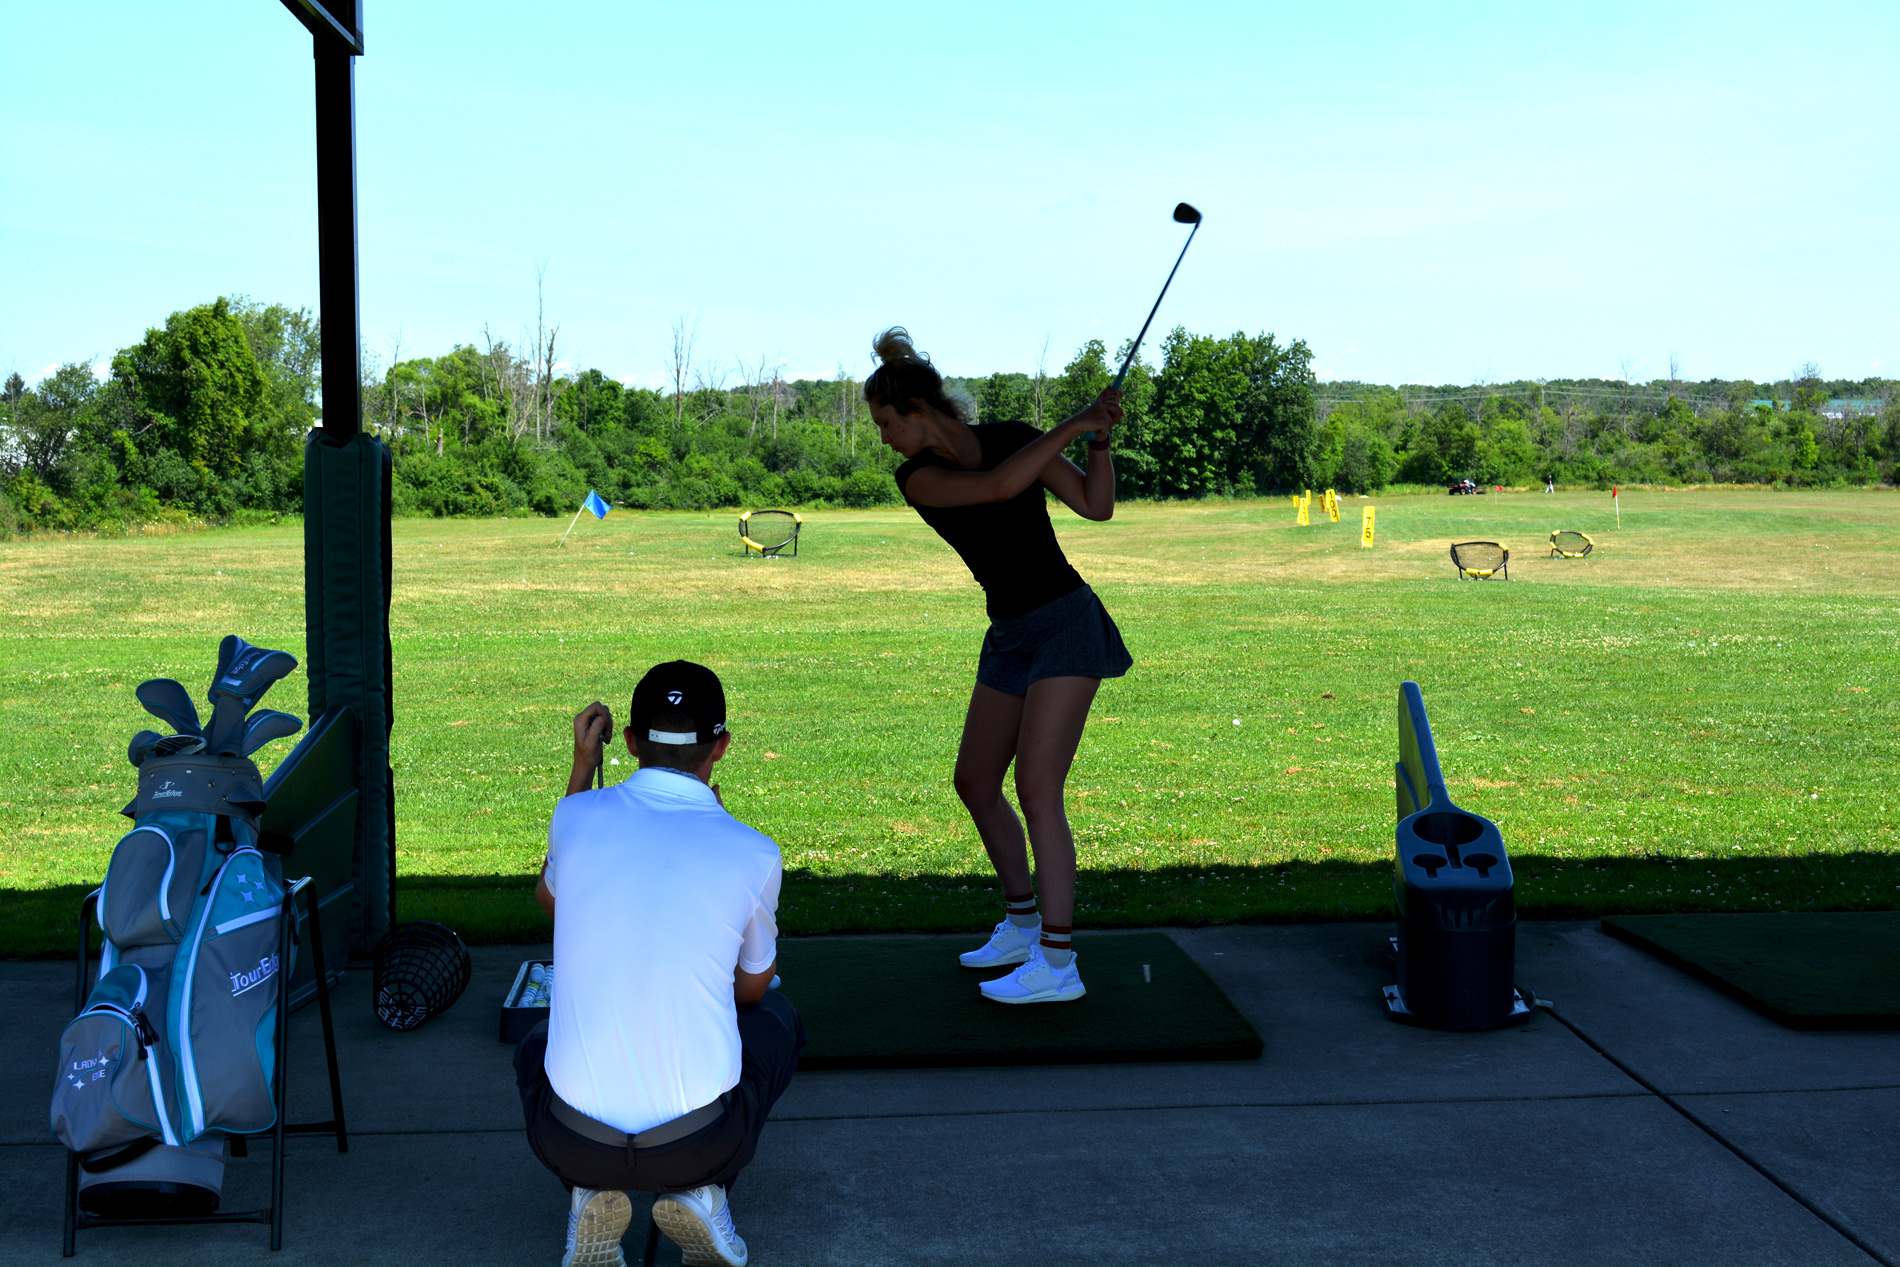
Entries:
{"x":204,"y":394}
{"x":1279,"y":422}
{"x":49,"y":421}
{"x":1005,"y":398}
{"x":1233,"y":415}
{"x":1355,"y":451}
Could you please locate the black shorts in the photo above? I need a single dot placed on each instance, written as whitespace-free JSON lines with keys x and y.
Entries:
{"x":1073,"y":636}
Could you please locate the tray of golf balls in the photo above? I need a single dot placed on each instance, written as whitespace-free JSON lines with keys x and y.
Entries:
{"x":526,"y":1003}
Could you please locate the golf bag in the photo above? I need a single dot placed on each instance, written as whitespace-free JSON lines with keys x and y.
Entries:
{"x":176,"y":1044}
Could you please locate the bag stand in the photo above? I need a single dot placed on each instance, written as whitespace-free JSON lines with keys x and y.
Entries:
{"x":273,"y":1213}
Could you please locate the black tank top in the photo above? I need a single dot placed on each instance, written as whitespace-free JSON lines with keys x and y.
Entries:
{"x":1010,"y":547}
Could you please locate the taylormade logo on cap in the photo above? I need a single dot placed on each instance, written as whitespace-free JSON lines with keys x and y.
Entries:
{"x":678,"y":694}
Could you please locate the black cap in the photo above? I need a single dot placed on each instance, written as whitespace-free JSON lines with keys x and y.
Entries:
{"x":679,"y":686}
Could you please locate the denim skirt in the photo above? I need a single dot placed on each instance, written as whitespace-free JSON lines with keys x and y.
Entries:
{"x":1072,"y":636}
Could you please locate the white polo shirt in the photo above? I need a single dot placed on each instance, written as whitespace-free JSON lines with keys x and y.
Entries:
{"x":658,"y":893}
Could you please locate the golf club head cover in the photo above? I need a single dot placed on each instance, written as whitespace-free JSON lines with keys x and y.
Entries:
{"x":171,"y":703}
{"x":263,"y":727}
{"x":141,"y":746}
{"x":244,"y":674}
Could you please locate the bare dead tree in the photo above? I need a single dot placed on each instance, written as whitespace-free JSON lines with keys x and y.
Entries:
{"x":777,"y":387}
{"x":496,"y":362}
{"x":1042,"y":378}
{"x":844,"y":384}
{"x":709,"y":391}
{"x":1626,"y":366}
{"x":542,"y":387}
{"x":550,"y":386}
{"x":679,"y":364}
{"x":483,"y":362}
{"x":394,"y":402}
{"x":755,"y":385}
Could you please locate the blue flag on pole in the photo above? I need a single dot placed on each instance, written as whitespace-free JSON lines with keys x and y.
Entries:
{"x":595,"y":506}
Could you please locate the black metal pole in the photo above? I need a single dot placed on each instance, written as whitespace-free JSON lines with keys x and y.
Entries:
{"x":285,"y":928}
{"x":336,"y":241}
{"x":69,"y":1225}
{"x":322,"y":975}
{"x":86,"y":909}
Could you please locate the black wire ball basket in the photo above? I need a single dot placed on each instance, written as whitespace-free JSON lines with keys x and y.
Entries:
{"x":421,"y":968}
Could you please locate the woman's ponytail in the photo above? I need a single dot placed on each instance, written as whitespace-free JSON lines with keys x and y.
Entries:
{"x":905,"y":375}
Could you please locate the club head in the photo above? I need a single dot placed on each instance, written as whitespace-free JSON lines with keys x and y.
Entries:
{"x":170,"y":703}
{"x":1184,"y":214}
{"x":178,"y":746}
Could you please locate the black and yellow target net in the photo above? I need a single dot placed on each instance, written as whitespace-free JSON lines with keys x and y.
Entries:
{"x":1568,"y":543}
{"x":769,"y":531}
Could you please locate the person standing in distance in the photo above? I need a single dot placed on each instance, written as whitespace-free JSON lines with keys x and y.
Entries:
{"x":1049,"y":645}
{"x":664,"y":1047}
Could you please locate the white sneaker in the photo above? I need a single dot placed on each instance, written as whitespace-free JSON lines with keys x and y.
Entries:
{"x":596,"y":1220}
{"x":1007,"y":945}
{"x":1036,"y":982}
{"x":700,"y":1223}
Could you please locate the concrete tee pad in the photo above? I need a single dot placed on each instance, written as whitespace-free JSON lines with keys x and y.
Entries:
{"x":1352,"y":1140}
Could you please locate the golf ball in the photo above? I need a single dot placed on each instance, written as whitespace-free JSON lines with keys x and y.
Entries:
{"x":537,"y":974}
{"x":527,"y":997}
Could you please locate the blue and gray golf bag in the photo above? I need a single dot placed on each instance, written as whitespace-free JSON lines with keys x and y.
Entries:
{"x":176,"y":1044}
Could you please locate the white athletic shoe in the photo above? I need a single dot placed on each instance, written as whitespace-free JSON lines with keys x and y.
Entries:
{"x":1007,"y":945}
{"x":700,"y":1223}
{"x":596,"y":1220}
{"x":1036,"y":982}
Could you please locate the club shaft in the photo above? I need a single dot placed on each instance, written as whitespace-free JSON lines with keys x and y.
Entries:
{"x":1136,"y":346}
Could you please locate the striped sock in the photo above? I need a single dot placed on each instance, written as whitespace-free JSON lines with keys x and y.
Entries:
{"x":1055,"y":944}
{"x":1021,"y":909}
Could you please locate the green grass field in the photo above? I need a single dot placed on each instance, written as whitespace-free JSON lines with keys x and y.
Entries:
{"x":1701,"y":716}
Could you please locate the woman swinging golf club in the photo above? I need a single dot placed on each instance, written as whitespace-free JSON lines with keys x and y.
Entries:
{"x":1050,"y":642}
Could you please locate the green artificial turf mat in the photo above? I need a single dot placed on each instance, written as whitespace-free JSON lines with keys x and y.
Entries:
{"x":1808,"y":971}
{"x":905,"y":1003}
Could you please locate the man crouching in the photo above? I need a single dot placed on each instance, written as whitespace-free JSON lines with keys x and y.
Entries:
{"x":664,"y":1048}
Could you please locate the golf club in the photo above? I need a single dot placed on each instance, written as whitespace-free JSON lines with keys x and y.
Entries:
{"x":178,"y":745}
{"x":1183,"y":214}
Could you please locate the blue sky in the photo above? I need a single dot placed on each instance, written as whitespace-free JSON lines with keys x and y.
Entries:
{"x":1427,"y":193}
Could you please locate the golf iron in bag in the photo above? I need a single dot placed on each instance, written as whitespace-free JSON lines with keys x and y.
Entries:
{"x":176,"y":1044}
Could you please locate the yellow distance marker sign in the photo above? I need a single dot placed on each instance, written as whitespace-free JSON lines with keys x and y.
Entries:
{"x":1365,"y":529}
{"x":1332,"y":505}
{"x":1302,"y":518}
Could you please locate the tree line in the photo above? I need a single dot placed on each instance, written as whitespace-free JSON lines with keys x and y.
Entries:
{"x":1802,"y":431}
{"x":205,"y":419}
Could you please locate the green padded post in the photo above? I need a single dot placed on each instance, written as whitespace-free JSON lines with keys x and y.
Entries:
{"x":346,"y":613}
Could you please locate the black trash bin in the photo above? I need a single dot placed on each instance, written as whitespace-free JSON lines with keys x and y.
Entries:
{"x":1457,"y":913}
